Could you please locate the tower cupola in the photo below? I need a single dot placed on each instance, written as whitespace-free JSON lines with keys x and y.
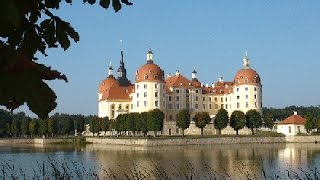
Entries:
{"x":110,"y":70}
{"x":246,"y":61}
{"x":194,"y":74}
{"x":150,"y":57}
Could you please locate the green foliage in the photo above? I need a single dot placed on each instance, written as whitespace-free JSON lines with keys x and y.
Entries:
{"x":183,"y":120}
{"x":29,"y":27}
{"x":137,"y":122}
{"x":95,"y":125}
{"x":144,"y":120}
{"x":221,"y":120}
{"x":253,"y":119}
{"x":43,"y":127}
{"x":237,"y":120}
{"x":104,"y":123}
{"x":279,"y":114}
{"x":201,"y":119}
{"x":5,"y":118}
{"x":25,"y":126}
{"x":33,"y":127}
{"x":268,"y":121}
{"x":155,"y":120}
{"x":15,"y":127}
{"x":52,"y":126}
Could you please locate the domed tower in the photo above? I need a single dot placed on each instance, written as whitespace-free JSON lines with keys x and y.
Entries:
{"x":103,"y":93}
{"x":149,"y":87}
{"x":247,"y":88}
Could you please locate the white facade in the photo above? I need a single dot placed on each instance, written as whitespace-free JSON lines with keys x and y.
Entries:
{"x":291,"y":129}
{"x":170,"y":95}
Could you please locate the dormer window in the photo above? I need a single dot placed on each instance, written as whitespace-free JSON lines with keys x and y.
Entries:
{"x":155,"y":76}
{"x":145,"y":77}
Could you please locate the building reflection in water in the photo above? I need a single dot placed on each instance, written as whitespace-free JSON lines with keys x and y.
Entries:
{"x":222,"y":161}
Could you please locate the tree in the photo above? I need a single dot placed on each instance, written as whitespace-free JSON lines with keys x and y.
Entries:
{"x":268,"y":121}
{"x":25,"y":126}
{"x":144,"y":120}
{"x":52,"y":126}
{"x":253,"y":120}
{"x":33,"y":127}
{"x":105,"y":124}
{"x":237,"y":120}
{"x":135,"y":121}
{"x":202,"y":119}
{"x":94,"y":125}
{"x":15,"y":127}
{"x":155,"y":120}
{"x":67,"y":125}
{"x":130,"y":122}
{"x":221,"y":120}
{"x":5,"y":118}
{"x":183,"y":120}
{"x":27,"y":28}
{"x":43,"y":127}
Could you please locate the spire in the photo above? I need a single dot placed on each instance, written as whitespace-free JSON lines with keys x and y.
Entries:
{"x":122,"y":73}
{"x":110,"y":70}
{"x":150,"y":56}
{"x":121,"y":60}
{"x":246,"y":61}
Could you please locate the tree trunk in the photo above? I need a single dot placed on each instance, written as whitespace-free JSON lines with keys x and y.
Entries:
{"x":201,"y":131}
{"x":219,"y":131}
{"x":182,"y":132}
{"x":252,"y":131}
{"x":237,"y":132}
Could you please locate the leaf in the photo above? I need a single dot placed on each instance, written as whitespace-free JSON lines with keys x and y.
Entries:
{"x":71,"y":32}
{"x":22,"y":82}
{"x":61,"y":35}
{"x":52,"y":3}
{"x":126,"y":2}
{"x":49,"y":32}
{"x":31,"y":43}
{"x":69,"y":1}
{"x":116,"y":5}
{"x":105,"y":3}
{"x":91,"y":1}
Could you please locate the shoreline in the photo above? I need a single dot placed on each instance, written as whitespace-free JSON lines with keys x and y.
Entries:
{"x":167,"y":141}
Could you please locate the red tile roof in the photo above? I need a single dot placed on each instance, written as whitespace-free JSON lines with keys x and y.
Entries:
{"x":294,"y":119}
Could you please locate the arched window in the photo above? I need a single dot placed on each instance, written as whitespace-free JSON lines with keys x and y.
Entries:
{"x":112,"y":106}
{"x":120,"y":106}
{"x":127,"y":107}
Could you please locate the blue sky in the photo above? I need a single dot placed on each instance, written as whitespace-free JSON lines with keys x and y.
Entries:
{"x":282,"y":39}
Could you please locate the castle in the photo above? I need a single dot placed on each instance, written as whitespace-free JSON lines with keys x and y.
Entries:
{"x":170,"y":94}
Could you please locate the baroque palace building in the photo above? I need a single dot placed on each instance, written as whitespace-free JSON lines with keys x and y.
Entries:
{"x":170,"y":94}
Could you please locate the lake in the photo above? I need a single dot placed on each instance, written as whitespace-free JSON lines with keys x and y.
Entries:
{"x":241,"y":161}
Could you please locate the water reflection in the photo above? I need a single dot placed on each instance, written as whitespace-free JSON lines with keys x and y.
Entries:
{"x":254,"y":161}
